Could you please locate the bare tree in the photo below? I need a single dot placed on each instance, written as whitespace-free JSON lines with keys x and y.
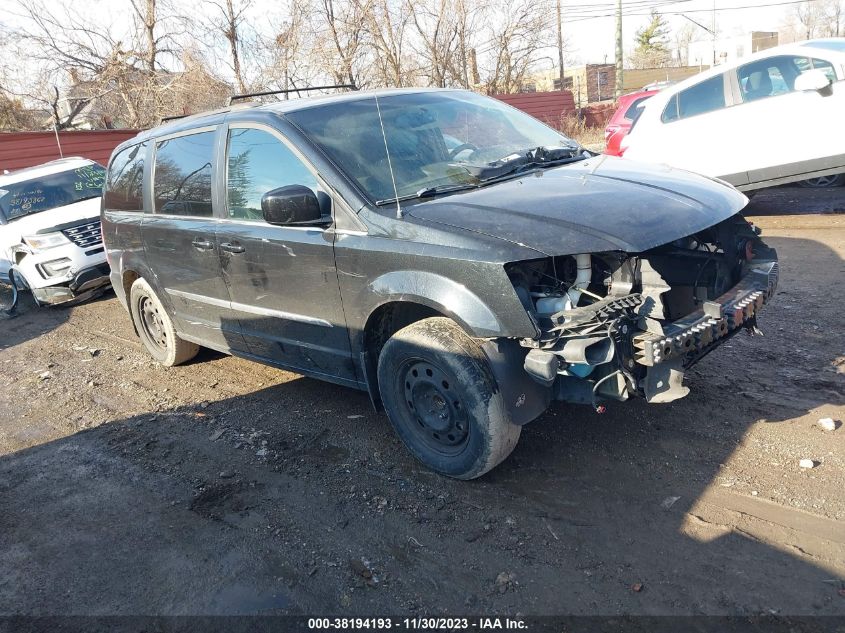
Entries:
{"x":145,"y":12}
{"x":14,"y":116}
{"x":228,"y":19}
{"x":683,"y":37}
{"x":816,"y":18}
{"x":103,"y":73}
{"x":520,"y":31}
{"x":444,"y":30}
{"x":339,"y":39}
{"x":834,"y":18}
{"x":387,"y":24}
{"x":287,"y":62}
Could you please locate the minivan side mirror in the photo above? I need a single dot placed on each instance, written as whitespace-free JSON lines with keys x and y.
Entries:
{"x":291,"y":205}
{"x":814,"y":79}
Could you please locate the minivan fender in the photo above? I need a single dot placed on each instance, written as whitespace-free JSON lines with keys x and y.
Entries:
{"x":125,"y":270}
{"x":440,"y":293}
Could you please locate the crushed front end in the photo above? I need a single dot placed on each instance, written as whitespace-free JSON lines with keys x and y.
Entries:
{"x":615,"y":325}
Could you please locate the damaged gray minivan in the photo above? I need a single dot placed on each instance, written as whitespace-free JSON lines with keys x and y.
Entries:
{"x":459,"y":260}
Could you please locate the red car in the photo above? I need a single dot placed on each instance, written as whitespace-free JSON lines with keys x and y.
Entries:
{"x":622,"y":120}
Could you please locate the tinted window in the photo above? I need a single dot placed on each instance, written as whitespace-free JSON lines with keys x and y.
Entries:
{"x":634,"y":110}
{"x":803,"y":64}
{"x":768,"y":77}
{"x":125,"y":182}
{"x":259,"y":162}
{"x":48,"y":192}
{"x":183,"y":175}
{"x":703,"y":97}
{"x":824,"y":66}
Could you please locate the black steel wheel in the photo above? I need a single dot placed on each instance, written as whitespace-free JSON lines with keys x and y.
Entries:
{"x":155,"y":327}
{"x":152,"y":325}
{"x":436,"y":404}
{"x":442,"y":399}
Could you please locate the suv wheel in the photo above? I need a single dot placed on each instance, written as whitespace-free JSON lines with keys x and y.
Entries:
{"x":442,"y":399}
{"x":823,"y":182}
{"x":155,"y":327}
{"x":19,"y":285}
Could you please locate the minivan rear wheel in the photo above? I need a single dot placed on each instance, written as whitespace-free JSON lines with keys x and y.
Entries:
{"x":442,"y":399}
{"x":155,"y":328}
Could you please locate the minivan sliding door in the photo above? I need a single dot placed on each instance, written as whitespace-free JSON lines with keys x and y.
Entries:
{"x":180,"y":241}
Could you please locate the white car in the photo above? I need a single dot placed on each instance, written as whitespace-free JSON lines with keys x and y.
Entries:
{"x":50,"y":240}
{"x":768,"y":119}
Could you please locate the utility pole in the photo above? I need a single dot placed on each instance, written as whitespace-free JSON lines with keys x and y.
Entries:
{"x":619,"y":70}
{"x":713,"y":32}
{"x":560,"y":43}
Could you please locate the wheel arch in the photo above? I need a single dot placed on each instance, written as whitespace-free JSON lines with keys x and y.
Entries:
{"x":127,"y":278}
{"x":408,"y":296}
{"x":444,"y":295}
{"x":383,"y":322}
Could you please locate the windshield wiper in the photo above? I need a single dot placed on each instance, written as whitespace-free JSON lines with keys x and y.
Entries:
{"x":514,"y":162}
{"x":536,"y":157}
{"x":426,"y":192}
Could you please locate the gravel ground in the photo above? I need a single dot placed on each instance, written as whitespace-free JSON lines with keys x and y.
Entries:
{"x":227,"y":487}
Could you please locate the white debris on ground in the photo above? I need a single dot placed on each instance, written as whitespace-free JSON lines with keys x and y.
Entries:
{"x":828,"y":424}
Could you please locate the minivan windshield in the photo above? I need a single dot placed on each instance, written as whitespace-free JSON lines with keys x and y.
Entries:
{"x":48,"y":192}
{"x":437,"y":141}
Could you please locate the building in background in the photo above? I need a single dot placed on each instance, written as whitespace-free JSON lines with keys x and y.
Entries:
{"x":594,"y":83}
{"x":588,"y":83}
{"x":729,"y":49}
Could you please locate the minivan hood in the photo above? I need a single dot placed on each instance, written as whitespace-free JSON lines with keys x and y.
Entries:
{"x":599,"y":204}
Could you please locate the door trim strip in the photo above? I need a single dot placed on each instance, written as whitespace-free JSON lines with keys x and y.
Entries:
{"x":243,"y":307}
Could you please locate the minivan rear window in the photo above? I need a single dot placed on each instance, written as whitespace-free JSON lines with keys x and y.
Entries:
{"x":182,"y":180}
{"x":125,"y":182}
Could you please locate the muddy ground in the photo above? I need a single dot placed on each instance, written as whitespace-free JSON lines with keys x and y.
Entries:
{"x":226,"y":487}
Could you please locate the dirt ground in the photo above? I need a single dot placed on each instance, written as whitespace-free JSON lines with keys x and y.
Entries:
{"x":227,"y":487}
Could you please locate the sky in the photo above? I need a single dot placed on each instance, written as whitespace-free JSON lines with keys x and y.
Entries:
{"x":590,"y":39}
{"x":588,"y":25}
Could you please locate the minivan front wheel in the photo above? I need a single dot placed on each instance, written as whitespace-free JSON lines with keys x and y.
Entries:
{"x":442,"y":399}
{"x":155,"y":328}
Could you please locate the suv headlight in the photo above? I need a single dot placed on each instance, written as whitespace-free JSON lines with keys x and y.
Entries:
{"x":44,"y":241}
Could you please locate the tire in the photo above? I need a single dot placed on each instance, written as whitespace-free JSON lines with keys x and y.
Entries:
{"x":19,"y":285}
{"x":442,"y":399}
{"x":10,"y":306}
{"x":823,"y":182}
{"x":155,"y":328}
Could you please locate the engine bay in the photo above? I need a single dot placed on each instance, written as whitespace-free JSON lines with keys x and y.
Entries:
{"x":617,"y":324}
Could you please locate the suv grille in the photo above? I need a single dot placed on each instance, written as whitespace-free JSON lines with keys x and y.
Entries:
{"x":85,"y":235}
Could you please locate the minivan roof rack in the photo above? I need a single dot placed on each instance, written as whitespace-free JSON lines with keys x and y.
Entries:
{"x":228,"y":108}
{"x":288,"y":91}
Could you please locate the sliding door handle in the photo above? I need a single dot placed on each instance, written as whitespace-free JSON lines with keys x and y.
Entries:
{"x":201,"y":244}
{"x":230,"y":247}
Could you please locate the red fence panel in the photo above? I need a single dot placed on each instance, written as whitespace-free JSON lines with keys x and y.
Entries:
{"x":26,"y":149}
{"x":549,"y":107}
{"x":598,"y":114}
